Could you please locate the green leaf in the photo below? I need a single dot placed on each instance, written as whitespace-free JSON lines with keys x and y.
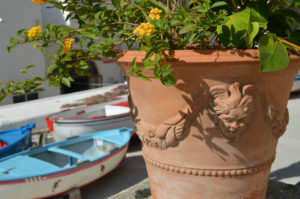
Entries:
{"x":295,"y":4}
{"x":12,"y":40}
{"x":273,"y":54}
{"x":51,"y":68}
{"x":54,"y":82}
{"x":19,"y":91}
{"x":66,"y":81}
{"x":234,"y":31}
{"x":116,"y":3}
{"x":186,"y":28}
{"x":29,"y":66}
{"x":133,"y":66}
{"x":9,"y":48}
{"x":175,"y":22}
{"x":19,"y":32}
{"x":218,"y":4}
{"x":251,"y":34}
{"x":259,"y":12}
{"x":169,"y":80}
{"x":143,"y":77}
{"x":160,"y":5}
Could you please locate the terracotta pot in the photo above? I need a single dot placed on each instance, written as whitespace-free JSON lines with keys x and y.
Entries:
{"x":214,"y":134}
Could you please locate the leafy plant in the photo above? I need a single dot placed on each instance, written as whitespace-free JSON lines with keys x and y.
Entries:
{"x":157,"y":27}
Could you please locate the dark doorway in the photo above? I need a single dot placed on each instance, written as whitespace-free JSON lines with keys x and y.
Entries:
{"x":82,"y":83}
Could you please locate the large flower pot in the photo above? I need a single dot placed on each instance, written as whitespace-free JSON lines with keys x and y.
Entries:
{"x":214,"y":134}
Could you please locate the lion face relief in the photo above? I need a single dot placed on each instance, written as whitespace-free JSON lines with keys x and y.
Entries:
{"x":232,"y":108}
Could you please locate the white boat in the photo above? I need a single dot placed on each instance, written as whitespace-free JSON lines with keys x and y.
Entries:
{"x":90,"y":118}
{"x":56,"y":168}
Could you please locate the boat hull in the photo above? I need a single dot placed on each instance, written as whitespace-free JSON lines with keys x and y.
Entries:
{"x":61,"y":182}
{"x":66,"y":129}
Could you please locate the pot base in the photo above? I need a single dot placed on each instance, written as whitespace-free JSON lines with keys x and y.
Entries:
{"x":167,"y":184}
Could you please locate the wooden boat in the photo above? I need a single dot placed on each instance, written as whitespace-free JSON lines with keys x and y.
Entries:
{"x":55,"y":168}
{"x":15,"y":140}
{"x":90,"y":118}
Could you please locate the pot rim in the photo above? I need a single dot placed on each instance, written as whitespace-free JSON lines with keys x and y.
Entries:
{"x":203,"y":56}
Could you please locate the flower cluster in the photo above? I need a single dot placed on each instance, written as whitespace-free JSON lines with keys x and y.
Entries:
{"x":144,"y":29}
{"x":155,"y":13}
{"x":34,"y":31}
{"x":39,"y":2}
{"x":68,"y":44}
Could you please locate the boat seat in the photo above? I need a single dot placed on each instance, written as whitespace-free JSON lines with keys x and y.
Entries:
{"x":112,"y":139}
{"x":69,"y":153}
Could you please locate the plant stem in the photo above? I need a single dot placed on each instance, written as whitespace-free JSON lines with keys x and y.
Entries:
{"x":288,"y":43}
{"x":134,"y":24}
{"x":235,"y":6}
{"x":174,"y":5}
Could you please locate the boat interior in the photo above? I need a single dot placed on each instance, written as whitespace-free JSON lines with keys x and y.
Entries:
{"x":77,"y":153}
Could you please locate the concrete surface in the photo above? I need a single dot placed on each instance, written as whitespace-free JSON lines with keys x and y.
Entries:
{"x":276,"y":190}
{"x":286,"y":167}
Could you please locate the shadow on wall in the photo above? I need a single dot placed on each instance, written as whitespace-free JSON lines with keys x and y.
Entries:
{"x":52,"y":16}
{"x":291,"y":171}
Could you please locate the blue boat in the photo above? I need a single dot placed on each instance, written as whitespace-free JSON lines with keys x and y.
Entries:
{"x":15,"y":140}
{"x":58,"y":167}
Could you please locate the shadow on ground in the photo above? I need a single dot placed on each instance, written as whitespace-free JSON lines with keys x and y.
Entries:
{"x":295,"y":95}
{"x":292,"y":170}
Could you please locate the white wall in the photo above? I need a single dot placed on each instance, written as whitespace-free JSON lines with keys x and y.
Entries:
{"x":111,"y":72}
{"x":19,"y":14}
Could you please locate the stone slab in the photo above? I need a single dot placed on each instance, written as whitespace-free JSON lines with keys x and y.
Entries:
{"x":276,"y":190}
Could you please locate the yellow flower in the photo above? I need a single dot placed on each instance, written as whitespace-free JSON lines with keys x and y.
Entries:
{"x":155,"y":13}
{"x":39,"y":2}
{"x":68,"y":44}
{"x":144,"y":29}
{"x":34,"y":31}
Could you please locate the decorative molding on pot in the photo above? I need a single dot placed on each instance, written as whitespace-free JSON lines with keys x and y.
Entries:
{"x":167,"y":134}
{"x":232,"y":108}
{"x":212,"y":172}
{"x":278,"y":120}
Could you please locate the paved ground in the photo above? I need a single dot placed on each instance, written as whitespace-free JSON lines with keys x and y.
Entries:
{"x":286,"y":167}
